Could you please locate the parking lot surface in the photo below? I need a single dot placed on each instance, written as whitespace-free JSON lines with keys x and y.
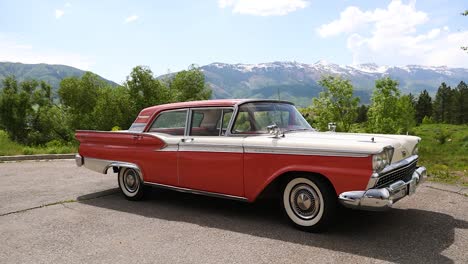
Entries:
{"x":54,"y":212}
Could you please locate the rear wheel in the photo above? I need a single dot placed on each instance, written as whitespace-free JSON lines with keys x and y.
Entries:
{"x":130,"y":184}
{"x":309,"y":203}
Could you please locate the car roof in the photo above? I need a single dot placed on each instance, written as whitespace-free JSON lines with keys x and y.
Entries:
{"x":149,"y":111}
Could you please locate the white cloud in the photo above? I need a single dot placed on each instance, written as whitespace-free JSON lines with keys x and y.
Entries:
{"x":391,"y":36}
{"x":131,"y":19}
{"x":263,"y":7}
{"x":13,"y":50}
{"x":59,"y":13}
{"x":68,"y":4}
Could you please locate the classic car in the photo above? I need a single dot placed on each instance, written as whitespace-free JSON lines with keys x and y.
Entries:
{"x":243,"y":149}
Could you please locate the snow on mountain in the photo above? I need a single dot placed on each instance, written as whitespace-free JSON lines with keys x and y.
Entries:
{"x":299,"y":81}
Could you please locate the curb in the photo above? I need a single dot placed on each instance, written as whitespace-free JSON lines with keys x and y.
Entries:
{"x":37,"y":157}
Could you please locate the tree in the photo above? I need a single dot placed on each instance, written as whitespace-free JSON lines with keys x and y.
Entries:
{"x":442,"y":104}
{"x":423,"y":106}
{"x":21,"y":110}
{"x":145,"y":90}
{"x":460,"y":104}
{"x":389,"y":112}
{"x":112,"y":109}
{"x":335,"y":103}
{"x":13,"y":109}
{"x":362,"y":114}
{"x":79,"y":97}
{"x":190,"y":85}
{"x":406,"y":118}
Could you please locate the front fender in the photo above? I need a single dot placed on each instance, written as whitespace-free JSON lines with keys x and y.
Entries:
{"x":344,"y":173}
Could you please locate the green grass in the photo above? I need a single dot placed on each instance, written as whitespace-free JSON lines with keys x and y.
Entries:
{"x":444,"y":151}
{"x":9,"y":147}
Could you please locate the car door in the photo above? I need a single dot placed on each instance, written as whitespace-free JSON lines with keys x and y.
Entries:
{"x":208,"y":160}
{"x":160,"y":164}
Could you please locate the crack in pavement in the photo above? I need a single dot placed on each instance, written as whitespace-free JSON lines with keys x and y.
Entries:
{"x":462,"y":191}
{"x":83,"y":198}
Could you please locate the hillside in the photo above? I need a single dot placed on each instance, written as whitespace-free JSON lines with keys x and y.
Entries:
{"x":294,"y":81}
{"x":298,"y":81}
{"x":51,"y":74}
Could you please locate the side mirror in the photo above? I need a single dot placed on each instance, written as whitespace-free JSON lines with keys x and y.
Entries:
{"x":332,"y":127}
{"x":274,"y":130}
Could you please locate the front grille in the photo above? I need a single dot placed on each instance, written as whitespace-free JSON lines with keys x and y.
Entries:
{"x":403,"y":173}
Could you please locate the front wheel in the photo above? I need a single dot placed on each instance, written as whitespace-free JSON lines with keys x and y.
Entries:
{"x":309,"y":203}
{"x":130,"y":184}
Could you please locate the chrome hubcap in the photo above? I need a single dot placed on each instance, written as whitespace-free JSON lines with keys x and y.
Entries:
{"x":130,"y":180}
{"x":304,"y":201}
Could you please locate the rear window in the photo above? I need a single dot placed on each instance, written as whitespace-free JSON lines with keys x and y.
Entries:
{"x":137,"y":127}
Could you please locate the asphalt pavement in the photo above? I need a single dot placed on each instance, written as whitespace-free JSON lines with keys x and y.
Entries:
{"x":54,"y":212}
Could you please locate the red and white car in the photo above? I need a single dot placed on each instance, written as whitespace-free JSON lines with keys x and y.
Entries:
{"x":241,"y":149}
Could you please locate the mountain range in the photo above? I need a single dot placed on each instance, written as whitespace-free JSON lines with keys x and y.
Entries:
{"x":298,"y":82}
{"x":294,"y":81}
{"x":49,"y":73}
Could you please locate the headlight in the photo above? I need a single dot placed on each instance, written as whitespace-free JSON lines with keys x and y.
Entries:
{"x":415,"y":150}
{"x":381,"y":160}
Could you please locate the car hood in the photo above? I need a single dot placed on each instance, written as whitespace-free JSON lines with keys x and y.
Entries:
{"x":343,"y":144}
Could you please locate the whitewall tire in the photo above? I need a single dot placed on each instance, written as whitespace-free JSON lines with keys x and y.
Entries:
{"x":130,"y":184}
{"x":309,"y":203}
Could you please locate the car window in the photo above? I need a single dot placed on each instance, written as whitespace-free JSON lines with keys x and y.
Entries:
{"x":254,"y":118}
{"x":224,"y":121}
{"x":205,"y":122}
{"x":242,"y":123}
{"x":171,"y":122}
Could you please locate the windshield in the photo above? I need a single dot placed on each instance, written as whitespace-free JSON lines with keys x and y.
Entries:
{"x":254,"y":118}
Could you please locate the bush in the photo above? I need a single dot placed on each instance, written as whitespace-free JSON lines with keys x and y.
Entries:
{"x":442,"y":173}
{"x":442,"y":135}
{"x":427,"y":120}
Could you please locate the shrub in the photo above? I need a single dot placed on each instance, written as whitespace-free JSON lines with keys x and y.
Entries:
{"x":442,"y":135}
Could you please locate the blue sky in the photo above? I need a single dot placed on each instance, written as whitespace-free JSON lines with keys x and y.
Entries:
{"x":111,"y":37}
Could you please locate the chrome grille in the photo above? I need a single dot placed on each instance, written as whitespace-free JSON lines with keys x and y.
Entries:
{"x":403,"y":173}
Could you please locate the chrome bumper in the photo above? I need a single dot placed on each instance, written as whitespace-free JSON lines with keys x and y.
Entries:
{"x":383,"y":198}
{"x":79,"y":160}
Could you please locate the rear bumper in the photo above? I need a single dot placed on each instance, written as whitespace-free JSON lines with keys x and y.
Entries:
{"x":79,"y":160}
{"x":383,"y":198}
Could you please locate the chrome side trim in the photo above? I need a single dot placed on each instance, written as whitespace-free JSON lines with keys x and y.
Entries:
{"x":101,"y":165}
{"x":187,"y":190}
{"x":211,"y":148}
{"x":303,"y":151}
{"x":172,"y":147}
{"x":97,"y":165}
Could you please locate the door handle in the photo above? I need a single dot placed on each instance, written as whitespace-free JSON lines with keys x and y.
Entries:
{"x":137,"y":137}
{"x":186,"y":140}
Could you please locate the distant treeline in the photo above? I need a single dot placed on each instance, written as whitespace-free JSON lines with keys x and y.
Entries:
{"x":450,"y":106}
{"x":389,"y":111}
{"x":30,"y":116}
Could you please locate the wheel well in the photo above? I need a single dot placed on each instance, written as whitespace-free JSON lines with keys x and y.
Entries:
{"x":274,"y":189}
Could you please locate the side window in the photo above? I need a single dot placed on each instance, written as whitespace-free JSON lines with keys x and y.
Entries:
{"x":227,"y":115}
{"x":171,"y":122}
{"x":205,"y":122}
{"x":242,"y":123}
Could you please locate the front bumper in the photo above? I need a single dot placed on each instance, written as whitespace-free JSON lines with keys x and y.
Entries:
{"x":383,"y":198}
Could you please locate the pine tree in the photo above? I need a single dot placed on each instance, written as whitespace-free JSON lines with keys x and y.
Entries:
{"x":460,"y":104}
{"x":442,"y":104}
{"x":423,"y":106}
